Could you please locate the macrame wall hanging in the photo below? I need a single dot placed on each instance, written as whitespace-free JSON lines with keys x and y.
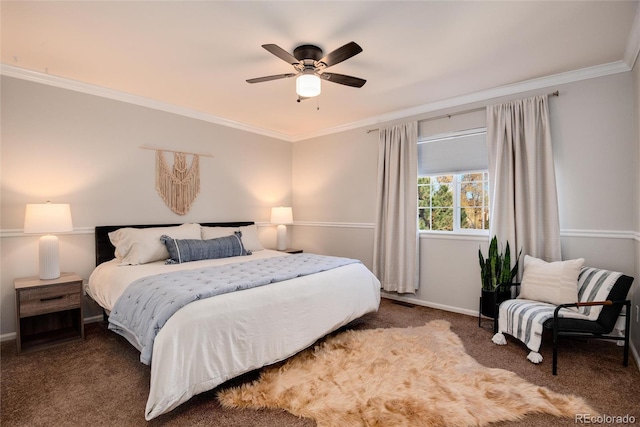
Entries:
{"x":178,"y":186}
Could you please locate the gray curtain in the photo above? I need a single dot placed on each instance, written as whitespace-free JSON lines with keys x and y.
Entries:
{"x":395,"y":250}
{"x":524,"y":201}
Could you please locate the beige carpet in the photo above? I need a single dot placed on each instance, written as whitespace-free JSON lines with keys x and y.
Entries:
{"x":417,"y":376}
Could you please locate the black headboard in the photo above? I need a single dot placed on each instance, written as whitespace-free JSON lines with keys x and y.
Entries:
{"x":105,"y":250}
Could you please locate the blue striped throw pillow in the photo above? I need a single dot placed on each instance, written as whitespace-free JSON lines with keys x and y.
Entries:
{"x":186,"y":250}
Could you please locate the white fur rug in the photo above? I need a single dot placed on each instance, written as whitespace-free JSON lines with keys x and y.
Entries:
{"x":397,"y":377}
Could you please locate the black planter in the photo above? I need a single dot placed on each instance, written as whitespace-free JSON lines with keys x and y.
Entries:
{"x":491,"y":298}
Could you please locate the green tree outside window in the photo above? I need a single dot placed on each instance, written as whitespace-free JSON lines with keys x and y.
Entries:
{"x":454,"y":202}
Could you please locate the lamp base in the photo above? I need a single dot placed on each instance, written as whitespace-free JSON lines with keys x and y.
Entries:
{"x":282,"y":237}
{"x":49,"y":257}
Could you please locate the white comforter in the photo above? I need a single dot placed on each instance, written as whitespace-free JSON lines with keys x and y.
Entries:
{"x":210,"y":341}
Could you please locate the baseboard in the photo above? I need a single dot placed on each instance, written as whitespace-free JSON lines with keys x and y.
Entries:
{"x":8,"y":337}
{"x":93,"y":319}
{"x":416,"y":301}
{"x":12,"y":335}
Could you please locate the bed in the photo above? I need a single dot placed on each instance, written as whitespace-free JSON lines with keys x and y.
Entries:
{"x":212,"y":340}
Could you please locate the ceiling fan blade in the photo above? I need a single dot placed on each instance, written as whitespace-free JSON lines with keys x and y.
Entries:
{"x":340,"y":54}
{"x":269,"y":78}
{"x":343,"y":80}
{"x":281,"y":53}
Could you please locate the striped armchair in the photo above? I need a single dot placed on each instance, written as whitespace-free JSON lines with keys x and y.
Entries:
{"x":601,"y":296}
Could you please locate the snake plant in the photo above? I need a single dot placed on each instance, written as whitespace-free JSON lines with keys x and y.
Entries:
{"x":496,"y":268}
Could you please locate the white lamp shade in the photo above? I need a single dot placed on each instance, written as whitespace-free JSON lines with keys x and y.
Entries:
{"x":282,"y":215}
{"x":47,"y":218}
{"x":308,"y":85}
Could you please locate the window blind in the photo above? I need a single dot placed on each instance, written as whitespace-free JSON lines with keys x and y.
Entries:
{"x":454,"y":152}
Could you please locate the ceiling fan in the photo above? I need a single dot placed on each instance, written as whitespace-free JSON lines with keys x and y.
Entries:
{"x":309,"y":64}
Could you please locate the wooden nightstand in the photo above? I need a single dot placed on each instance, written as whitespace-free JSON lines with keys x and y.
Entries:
{"x":48,"y":312}
{"x":292,"y":251}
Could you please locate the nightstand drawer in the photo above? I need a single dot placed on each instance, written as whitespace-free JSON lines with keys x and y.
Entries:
{"x":50,"y":299}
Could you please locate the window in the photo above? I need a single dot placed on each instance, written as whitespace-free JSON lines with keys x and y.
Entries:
{"x":454,"y":202}
{"x":453,"y":182}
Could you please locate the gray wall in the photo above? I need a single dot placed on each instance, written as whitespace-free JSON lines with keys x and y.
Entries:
{"x":596,"y":158}
{"x":84,"y":150}
{"x":80,"y":149}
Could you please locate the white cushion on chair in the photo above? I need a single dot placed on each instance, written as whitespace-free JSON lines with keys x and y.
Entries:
{"x":551,"y":282}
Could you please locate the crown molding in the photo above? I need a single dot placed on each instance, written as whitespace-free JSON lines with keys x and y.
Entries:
{"x":64,"y":83}
{"x":484,"y":95}
{"x":458,"y":101}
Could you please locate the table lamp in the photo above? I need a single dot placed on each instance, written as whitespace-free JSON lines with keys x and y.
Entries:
{"x":46,"y":218}
{"x":282,"y":216}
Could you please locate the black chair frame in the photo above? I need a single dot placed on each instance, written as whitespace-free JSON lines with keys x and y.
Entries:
{"x":558,"y":332}
{"x":601,"y":328}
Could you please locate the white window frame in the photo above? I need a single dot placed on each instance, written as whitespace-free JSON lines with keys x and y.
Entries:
{"x":456,"y":206}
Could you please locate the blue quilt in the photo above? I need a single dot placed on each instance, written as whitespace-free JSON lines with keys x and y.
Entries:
{"x":147,"y":304}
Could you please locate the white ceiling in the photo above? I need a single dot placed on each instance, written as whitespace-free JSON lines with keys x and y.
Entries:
{"x":197,"y":55}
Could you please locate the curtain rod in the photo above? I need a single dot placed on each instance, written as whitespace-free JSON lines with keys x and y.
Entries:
{"x":175,"y":151}
{"x":473,"y":110}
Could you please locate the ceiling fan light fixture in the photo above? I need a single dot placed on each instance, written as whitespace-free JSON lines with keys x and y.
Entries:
{"x":308,"y":85}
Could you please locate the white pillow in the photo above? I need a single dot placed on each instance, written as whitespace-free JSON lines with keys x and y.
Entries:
{"x":142,"y":245}
{"x":249,"y":237}
{"x":552,"y":282}
{"x":217,"y":232}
